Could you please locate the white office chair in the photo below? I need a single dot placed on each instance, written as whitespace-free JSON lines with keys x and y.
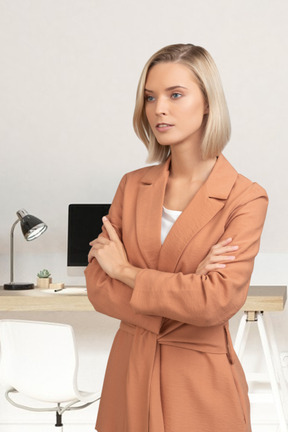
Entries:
{"x":39,"y":360}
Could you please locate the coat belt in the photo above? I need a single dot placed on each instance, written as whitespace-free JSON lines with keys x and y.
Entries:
{"x":143,"y":377}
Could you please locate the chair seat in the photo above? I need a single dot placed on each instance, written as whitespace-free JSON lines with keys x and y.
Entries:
{"x":79,"y":397}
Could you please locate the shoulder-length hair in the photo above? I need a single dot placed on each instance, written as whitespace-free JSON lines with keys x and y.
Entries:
{"x":217,"y":128}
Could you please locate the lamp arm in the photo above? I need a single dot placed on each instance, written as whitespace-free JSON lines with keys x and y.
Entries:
{"x":12,"y":251}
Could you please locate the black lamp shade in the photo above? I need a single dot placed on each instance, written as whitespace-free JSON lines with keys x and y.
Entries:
{"x":32,"y":227}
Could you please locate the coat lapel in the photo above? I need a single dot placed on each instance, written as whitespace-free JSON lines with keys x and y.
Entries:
{"x":149,"y":212}
{"x":208,"y":201}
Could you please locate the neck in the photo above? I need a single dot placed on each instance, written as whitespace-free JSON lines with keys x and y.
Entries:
{"x":188,"y":164}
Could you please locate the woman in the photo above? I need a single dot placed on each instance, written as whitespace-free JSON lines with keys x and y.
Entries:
{"x":172,"y":367}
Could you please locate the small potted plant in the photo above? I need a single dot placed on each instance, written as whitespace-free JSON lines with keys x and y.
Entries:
{"x":43,"y":279}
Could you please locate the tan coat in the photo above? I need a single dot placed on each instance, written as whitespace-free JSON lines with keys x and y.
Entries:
{"x":172,"y":367}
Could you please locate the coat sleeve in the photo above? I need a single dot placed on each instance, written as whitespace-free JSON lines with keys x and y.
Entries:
{"x":212,"y":299}
{"x":109,"y":296}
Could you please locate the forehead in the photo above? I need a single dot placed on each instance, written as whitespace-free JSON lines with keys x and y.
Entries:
{"x":169,"y":74}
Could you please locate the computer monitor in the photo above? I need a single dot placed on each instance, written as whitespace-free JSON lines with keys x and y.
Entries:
{"x":84,"y":225}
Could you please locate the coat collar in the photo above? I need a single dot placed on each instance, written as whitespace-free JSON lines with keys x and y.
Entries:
{"x":208,"y":201}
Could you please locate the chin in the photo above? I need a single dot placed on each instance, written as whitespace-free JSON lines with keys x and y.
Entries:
{"x":165,"y":143}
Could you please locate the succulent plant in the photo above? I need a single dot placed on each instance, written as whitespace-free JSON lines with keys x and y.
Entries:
{"x":44,"y":274}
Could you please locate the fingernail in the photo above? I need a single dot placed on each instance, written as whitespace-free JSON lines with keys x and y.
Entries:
{"x":104,"y":219}
{"x":235,"y":247}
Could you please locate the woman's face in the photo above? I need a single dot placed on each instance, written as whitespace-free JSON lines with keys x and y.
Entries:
{"x":174,"y":104}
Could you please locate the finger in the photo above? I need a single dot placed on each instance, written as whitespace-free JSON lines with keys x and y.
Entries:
{"x":95,"y":240}
{"x":211,"y":267}
{"x":90,"y":256}
{"x":219,"y":258}
{"x":224,"y":250}
{"x":223,"y":243}
{"x":97,"y":246}
{"x":100,"y":240}
{"x":94,"y":251}
{"x":110,"y":230}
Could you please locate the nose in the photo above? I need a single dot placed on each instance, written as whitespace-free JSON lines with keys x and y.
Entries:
{"x":161,"y":107}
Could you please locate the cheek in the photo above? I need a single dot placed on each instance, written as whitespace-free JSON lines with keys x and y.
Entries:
{"x":194,"y":107}
{"x":148,"y":114}
{"x":195,"y":113}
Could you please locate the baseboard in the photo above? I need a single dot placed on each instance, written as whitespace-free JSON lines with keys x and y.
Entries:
{"x":88,"y":427}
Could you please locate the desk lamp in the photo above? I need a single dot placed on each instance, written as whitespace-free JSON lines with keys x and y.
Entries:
{"x":32,"y":227}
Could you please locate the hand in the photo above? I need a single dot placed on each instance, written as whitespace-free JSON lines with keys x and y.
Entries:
{"x":110,"y":253}
{"x":216,"y":256}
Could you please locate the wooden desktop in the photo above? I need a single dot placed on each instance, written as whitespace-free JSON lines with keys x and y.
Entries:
{"x":260,"y":298}
{"x":38,"y":300}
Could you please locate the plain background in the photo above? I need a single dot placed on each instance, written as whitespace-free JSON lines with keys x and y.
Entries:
{"x":68,"y":77}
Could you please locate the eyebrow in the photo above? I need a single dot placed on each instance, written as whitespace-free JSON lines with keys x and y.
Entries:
{"x":167,"y":89}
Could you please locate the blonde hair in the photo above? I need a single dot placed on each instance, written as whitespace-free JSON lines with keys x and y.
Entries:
{"x":217,"y":127}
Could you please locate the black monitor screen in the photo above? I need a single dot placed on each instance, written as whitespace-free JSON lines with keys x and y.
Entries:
{"x":84,"y":225}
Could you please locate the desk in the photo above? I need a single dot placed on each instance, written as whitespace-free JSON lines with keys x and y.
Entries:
{"x":265,"y":299}
{"x":260,"y":298}
{"x":38,"y":300}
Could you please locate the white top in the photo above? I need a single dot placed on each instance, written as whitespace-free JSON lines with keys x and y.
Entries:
{"x":169,"y":217}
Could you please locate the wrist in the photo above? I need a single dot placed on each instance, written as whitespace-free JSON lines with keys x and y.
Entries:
{"x":127,"y":274}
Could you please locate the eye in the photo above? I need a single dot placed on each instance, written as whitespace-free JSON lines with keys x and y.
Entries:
{"x":176,"y":95}
{"x":149,"y":98}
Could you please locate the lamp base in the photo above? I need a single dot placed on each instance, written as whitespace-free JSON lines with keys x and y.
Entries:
{"x":18,"y":286}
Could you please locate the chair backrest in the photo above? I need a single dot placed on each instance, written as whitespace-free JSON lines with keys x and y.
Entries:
{"x":38,"y":359}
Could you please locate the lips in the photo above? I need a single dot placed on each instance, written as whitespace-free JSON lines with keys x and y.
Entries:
{"x":163,"y":126}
